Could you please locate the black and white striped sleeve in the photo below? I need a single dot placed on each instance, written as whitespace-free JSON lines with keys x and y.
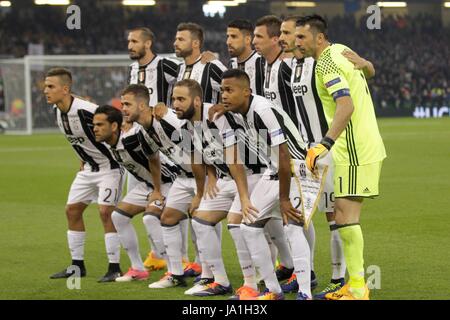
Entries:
{"x":216,"y":69}
{"x":269,"y":123}
{"x":286,"y":96}
{"x":259,"y":75}
{"x":170,"y":69}
{"x":148,"y":145}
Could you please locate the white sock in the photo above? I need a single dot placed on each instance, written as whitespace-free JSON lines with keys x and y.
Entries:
{"x":272,"y":246}
{"x":301,"y":257}
{"x":337,"y":253}
{"x":128,"y":239}
{"x":245,"y":260}
{"x":173,"y":242}
{"x":194,"y":242}
{"x":311,"y":238}
{"x":76,"y":241}
{"x":209,"y":247}
{"x":219,"y":231}
{"x":260,"y":253}
{"x":112,"y":243}
{"x":218,"y":227}
{"x":275,"y":229}
{"x":155,"y":236}
{"x":184,"y":229}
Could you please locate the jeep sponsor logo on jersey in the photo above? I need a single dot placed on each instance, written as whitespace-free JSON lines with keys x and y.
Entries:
{"x":270,"y":95}
{"x":75,"y":140}
{"x":300,"y":90}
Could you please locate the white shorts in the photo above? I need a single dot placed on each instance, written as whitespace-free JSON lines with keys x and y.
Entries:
{"x":131,"y":182}
{"x":138,"y":196}
{"x":181,"y":193}
{"x":103,"y":187}
{"x":227,"y":198}
{"x":266,"y":197}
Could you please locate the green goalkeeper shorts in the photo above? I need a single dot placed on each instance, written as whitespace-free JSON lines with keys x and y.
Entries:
{"x":357,"y":181}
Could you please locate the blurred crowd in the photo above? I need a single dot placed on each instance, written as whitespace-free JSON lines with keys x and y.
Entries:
{"x":411,"y":55}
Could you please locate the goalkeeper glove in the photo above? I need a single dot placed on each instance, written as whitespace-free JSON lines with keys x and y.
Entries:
{"x":317,"y":152}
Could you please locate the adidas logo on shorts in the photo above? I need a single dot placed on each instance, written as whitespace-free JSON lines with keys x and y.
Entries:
{"x":366,"y":190}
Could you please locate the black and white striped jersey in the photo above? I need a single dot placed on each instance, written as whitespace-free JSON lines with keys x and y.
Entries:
{"x":173,"y":139}
{"x":76,"y":124}
{"x":268,"y":126}
{"x":314,"y":125}
{"x":158,"y":76}
{"x":208,"y":75}
{"x":129,"y":152}
{"x":254,"y":67}
{"x":277,"y":88}
{"x":211,"y":138}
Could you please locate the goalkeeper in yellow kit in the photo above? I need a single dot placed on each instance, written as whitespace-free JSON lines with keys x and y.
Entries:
{"x":357,"y":147}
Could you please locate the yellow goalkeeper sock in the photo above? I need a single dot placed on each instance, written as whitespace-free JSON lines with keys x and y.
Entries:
{"x":353,"y":244}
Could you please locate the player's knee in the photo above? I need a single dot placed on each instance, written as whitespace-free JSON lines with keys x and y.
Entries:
{"x":171,"y":217}
{"x":234,"y":218}
{"x":331,"y":216}
{"x":168,"y":220}
{"x":105,"y":213}
{"x":74,"y":212}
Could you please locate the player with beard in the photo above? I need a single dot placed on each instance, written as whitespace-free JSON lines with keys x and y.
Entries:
{"x":188,"y":44}
{"x":239,"y":43}
{"x":157,"y":74}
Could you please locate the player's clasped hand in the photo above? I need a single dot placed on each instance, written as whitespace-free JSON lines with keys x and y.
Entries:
{"x":216,"y":111}
{"x":353,"y":57}
{"x":195,"y":203}
{"x":314,"y":154}
{"x":249,"y":212}
{"x":157,"y":198}
{"x":160,"y":110}
{"x":288,"y":212}
{"x":211,"y":188}
{"x":317,"y":152}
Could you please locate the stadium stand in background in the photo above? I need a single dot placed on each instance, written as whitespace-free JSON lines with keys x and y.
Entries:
{"x":411,"y":55}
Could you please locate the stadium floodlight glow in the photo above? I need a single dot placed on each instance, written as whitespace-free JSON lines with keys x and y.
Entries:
{"x":5,"y":3}
{"x":447,"y":4}
{"x":301,"y":4}
{"x":394,"y":4}
{"x":52,"y":2}
{"x":138,"y":2}
{"x":223,"y":3}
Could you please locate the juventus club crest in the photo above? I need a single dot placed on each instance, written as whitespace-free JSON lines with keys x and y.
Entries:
{"x":141,"y":75}
{"x":298,"y":71}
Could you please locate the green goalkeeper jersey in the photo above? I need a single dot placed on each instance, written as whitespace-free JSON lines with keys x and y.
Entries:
{"x":360,"y":143}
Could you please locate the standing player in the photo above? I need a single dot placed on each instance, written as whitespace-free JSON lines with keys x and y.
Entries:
{"x":243,"y":57}
{"x":271,"y":130}
{"x":313,"y":128}
{"x":276,"y":89}
{"x":358,"y":149}
{"x":147,"y":195}
{"x":188,"y":44}
{"x":157,"y":74}
{"x":99,"y":178}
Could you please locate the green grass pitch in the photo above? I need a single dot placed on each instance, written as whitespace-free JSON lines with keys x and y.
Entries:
{"x":406,"y":230}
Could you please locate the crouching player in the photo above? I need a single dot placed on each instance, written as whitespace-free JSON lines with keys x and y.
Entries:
{"x":147,"y":196}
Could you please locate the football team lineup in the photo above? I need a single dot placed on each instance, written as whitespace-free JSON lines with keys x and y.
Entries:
{"x":274,"y":237}
{"x":262,"y":180}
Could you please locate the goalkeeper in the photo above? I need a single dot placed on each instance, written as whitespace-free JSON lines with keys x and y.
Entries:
{"x":358,"y":150}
